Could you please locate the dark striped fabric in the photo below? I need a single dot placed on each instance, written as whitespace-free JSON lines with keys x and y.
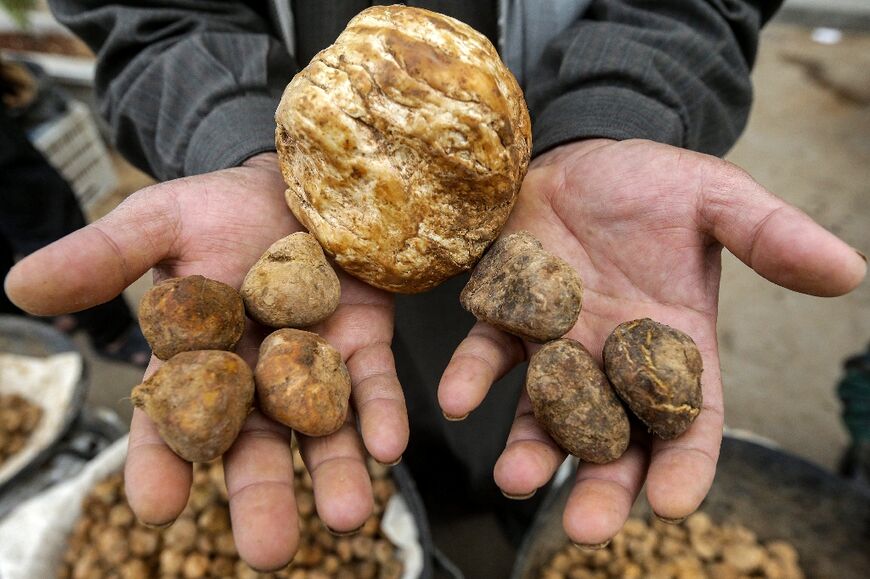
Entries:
{"x":190,"y":86}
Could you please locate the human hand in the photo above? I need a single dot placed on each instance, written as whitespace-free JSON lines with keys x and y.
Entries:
{"x":218,"y":225}
{"x":644,"y":225}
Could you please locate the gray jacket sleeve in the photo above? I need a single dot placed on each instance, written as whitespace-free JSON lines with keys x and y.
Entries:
{"x":673,"y":71}
{"x":188,"y":86}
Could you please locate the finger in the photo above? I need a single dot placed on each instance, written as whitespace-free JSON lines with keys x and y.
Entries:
{"x":157,"y":480}
{"x":530,"y":457}
{"x":481,"y":359}
{"x":259,"y":475}
{"x":602,"y":497}
{"x":359,"y":323}
{"x":342,"y":488}
{"x":94,"y":264}
{"x":778,"y":241}
{"x":362,"y":331}
{"x":379,"y":402}
{"x":682,"y":470}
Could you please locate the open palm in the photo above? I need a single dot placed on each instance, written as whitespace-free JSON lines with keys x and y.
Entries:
{"x":218,"y":225}
{"x":644,"y":225}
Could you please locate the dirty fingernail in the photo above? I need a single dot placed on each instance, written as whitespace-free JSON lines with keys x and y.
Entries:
{"x":158,"y":526}
{"x":344,"y":533}
{"x":394,"y":463}
{"x":519,"y":497}
{"x":670,"y":521}
{"x":592,"y":546}
{"x":455,"y":418}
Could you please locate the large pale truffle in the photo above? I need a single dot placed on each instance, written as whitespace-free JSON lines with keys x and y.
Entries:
{"x":403,"y":146}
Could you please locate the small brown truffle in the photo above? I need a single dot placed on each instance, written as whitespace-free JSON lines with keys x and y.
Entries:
{"x":302,"y":382}
{"x":183,"y":314}
{"x":403,"y":146}
{"x":575,"y":404}
{"x":521,"y":288}
{"x":291,"y":285}
{"x":657,"y":371}
{"x":199,"y":401}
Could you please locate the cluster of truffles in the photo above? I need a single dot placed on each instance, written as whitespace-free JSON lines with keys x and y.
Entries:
{"x":403,"y":146}
{"x":202,"y":394}
{"x":18,"y":419}
{"x":654,"y":369}
{"x":696,"y":549}
{"x":108,"y":542}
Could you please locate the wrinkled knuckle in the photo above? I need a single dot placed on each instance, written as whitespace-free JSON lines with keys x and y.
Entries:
{"x":698,"y":452}
{"x":729,"y":176}
{"x":497,"y":341}
{"x":341,"y":462}
{"x":234,"y":493}
{"x":477,"y":359}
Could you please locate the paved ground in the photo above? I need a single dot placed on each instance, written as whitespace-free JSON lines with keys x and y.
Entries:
{"x":809,"y":141}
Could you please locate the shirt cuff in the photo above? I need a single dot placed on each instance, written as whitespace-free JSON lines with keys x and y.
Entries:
{"x":605,"y":112}
{"x":232,"y":132}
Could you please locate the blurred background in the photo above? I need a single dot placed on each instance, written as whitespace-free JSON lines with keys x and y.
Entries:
{"x":808,"y":141}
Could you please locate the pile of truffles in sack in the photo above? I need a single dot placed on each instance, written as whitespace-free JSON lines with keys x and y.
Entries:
{"x":697,"y":548}
{"x":19,"y":417}
{"x":107,"y":541}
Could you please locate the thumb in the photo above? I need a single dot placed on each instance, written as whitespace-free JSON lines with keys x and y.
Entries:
{"x":780,"y":242}
{"x":94,"y":264}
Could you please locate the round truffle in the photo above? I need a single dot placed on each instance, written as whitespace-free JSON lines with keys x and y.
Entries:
{"x":199,"y":402}
{"x":657,"y":370}
{"x":403,"y":146}
{"x":573,"y":401}
{"x":302,"y":382}
{"x":291,"y":285}
{"x":183,"y":314}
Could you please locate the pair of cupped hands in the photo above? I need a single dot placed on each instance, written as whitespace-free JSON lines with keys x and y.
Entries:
{"x":643,"y":224}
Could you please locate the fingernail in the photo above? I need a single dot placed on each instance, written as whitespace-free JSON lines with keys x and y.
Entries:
{"x":670,"y":521}
{"x":455,"y":418}
{"x":158,"y":527}
{"x":344,"y":533}
{"x":394,"y":463}
{"x":519,"y":497}
{"x":592,"y":546}
{"x":861,"y":254}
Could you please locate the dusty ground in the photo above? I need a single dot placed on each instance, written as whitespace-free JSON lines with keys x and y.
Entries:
{"x":808,"y":141}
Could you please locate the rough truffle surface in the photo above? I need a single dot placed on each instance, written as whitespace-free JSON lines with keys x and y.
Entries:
{"x":522,"y":289}
{"x":656,"y":369}
{"x":302,"y":382}
{"x":291,"y":285}
{"x":199,"y":401}
{"x":189,"y":313}
{"x":403,"y":146}
{"x":574,"y":402}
